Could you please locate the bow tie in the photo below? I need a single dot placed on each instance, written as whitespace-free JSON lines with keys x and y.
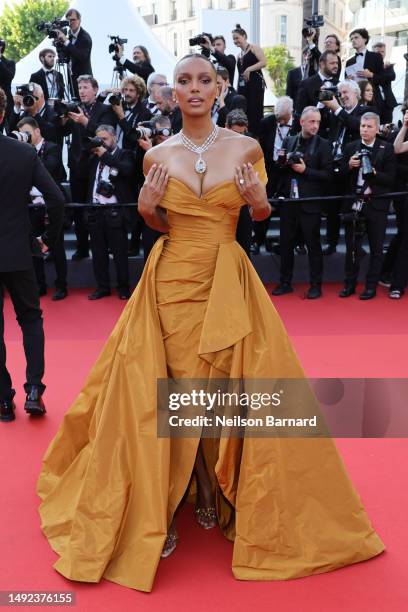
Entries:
{"x":357,"y":54}
{"x":327,"y":79}
{"x":49,"y":72}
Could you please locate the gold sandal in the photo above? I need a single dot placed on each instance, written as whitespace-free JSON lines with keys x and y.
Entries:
{"x":206,"y":517}
{"x":169,"y":545}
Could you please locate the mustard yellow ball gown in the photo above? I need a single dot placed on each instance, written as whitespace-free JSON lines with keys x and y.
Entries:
{"x":109,"y":486}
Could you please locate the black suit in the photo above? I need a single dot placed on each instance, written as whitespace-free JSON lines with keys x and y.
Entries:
{"x":80,"y":54}
{"x":20,"y":169}
{"x":376,"y":210}
{"x":7,"y":72}
{"x":373,"y":62}
{"x":108,"y":223}
{"x":176,"y":120}
{"x":226,"y":61}
{"x":383,"y":80}
{"x":312,"y":183}
{"x":58,"y":89}
{"x":51,"y":156}
{"x":78,"y":161}
{"x":308,"y":95}
{"x":223,"y":112}
{"x":128,"y":124}
{"x":293,"y":81}
{"x":142,"y":69}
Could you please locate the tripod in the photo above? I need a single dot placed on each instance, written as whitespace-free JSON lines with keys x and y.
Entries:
{"x":62,"y":66}
{"x":119,"y":73}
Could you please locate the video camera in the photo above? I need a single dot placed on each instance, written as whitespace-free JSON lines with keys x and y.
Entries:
{"x":62,"y":108}
{"x":52,"y":27}
{"x":116,"y":43}
{"x":200,"y":40}
{"x":328,"y":93}
{"x":27,"y":92}
{"x":148,"y":129}
{"x":21,"y":136}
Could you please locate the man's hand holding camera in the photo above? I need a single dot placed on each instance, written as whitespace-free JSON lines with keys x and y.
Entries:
{"x":61,"y":36}
{"x":145,"y":143}
{"x":79,"y":117}
{"x":99,"y":151}
{"x":300,"y":167}
{"x":18,"y":101}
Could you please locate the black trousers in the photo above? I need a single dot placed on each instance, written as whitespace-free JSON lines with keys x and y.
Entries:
{"x":391,"y":255}
{"x":149,"y":237}
{"x":244,"y":229}
{"x":108,"y":232}
{"x":400,"y":273}
{"x":293,"y":217}
{"x":79,"y":194}
{"x":37,"y":218}
{"x":374,"y":223}
{"x":23,"y":290}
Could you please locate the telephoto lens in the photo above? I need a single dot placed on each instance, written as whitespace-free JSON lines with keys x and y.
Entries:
{"x":21,"y":136}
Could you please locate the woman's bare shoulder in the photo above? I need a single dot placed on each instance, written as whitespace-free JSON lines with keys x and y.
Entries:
{"x":160,"y":154}
{"x":249,"y":147}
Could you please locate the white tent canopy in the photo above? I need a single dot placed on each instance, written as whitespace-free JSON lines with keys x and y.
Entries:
{"x":101,"y":18}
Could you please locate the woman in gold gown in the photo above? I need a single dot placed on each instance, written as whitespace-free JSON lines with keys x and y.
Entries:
{"x":109,"y":486}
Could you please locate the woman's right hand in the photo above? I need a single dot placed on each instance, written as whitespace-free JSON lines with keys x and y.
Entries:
{"x":153,"y":188}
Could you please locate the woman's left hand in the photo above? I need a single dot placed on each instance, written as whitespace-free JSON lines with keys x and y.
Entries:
{"x":249,"y":185}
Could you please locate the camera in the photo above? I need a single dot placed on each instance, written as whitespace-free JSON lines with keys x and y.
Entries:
{"x":62,"y":108}
{"x":293,"y":157}
{"x":200,"y":40}
{"x":328,"y":93}
{"x":21,"y":136}
{"x":316,"y":21}
{"x":148,"y":129}
{"x":92,"y":143}
{"x":51,"y":27}
{"x":107,"y":188}
{"x":366,"y":166}
{"x":115,"y":99}
{"x":27,"y":92}
{"x":116,"y":42}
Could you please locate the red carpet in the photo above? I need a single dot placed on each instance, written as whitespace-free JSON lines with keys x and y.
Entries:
{"x":333,"y":337}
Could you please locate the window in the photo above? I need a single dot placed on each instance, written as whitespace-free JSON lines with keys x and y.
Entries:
{"x":283,"y":25}
{"x":175,"y":50}
{"x":232,"y":4}
{"x":173,"y":10}
{"x":210,"y":4}
{"x":154,"y":13}
{"x":326,"y":7}
{"x":190,"y":8}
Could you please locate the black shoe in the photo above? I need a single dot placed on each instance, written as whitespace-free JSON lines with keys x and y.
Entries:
{"x":7,"y":408}
{"x":124,"y":294}
{"x":254,"y":248}
{"x":347,"y":291}
{"x":42,"y":290}
{"x":282,"y":288}
{"x":300,"y":249}
{"x":60,"y":294}
{"x":330,"y":249}
{"x":385,"y":281}
{"x":77,"y":256}
{"x":98,"y":294}
{"x":34,"y":405}
{"x":368,"y":294}
{"x":314,"y":292}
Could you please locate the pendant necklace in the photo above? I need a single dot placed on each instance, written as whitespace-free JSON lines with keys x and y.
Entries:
{"x":200,"y":165}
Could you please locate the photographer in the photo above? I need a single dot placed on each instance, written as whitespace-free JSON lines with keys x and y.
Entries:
{"x":20,"y":170}
{"x":78,"y":47}
{"x":29,"y":102}
{"x":309,"y":89}
{"x":7,"y":73}
{"x":365,"y":64}
{"x":111,"y":173}
{"x":214,"y":49}
{"x":168,"y":106}
{"x":295,"y":76}
{"x":82,"y":125}
{"x":226,"y":94}
{"x":51,"y":156}
{"x":369,"y":166}
{"x":343,"y":128}
{"x":160,"y":127}
{"x":141,"y":64}
{"x":154,"y":82}
{"x":50,"y":80}
{"x":307,"y":168}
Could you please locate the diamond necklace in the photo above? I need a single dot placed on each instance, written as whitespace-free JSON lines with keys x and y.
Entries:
{"x":200,"y":165}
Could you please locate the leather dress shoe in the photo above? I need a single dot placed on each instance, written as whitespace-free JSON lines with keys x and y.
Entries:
{"x":368,"y":294}
{"x":315,"y":291}
{"x":254,"y":248}
{"x":7,"y":408}
{"x":282,"y":288}
{"x":77,"y":256}
{"x":300,"y":249}
{"x":60,"y":294}
{"x":347,"y":291}
{"x":330,"y":249}
{"x":99,"y":294}
{"x":34,"y":405}
{"x":124,"y":294}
